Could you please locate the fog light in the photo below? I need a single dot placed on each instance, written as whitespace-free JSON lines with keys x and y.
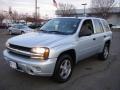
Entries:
{"x":36,"y":68}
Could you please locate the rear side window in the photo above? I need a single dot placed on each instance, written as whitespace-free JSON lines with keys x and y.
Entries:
{"x":106,"y":26}
{"x":98,"y":26}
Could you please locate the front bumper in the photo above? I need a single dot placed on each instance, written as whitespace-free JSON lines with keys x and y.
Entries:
{"x":31,"y":66}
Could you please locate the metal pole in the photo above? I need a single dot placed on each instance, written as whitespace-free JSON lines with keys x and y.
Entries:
{"x":36,"y":11}
{"x":10,"y":14}
{"x":84,"y":8}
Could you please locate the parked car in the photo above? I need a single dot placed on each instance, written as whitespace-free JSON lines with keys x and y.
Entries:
{"x":19,"y":29}
{"x":34,"y":26}
{"x":58,"y":46}
{"x":116,"y":27}
{"x":3,"y":26}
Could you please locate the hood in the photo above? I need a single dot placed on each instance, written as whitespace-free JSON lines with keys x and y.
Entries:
{"x":35,"y":39}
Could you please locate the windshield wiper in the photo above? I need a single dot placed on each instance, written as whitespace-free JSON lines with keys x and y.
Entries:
{"x":53,"y":32}
{"x":57,"y":32}
{"x":41,"y":30}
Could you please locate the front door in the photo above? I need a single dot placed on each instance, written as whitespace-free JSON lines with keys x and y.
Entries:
{"x":86,"y":40}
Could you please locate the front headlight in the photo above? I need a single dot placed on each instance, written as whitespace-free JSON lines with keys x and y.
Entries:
{"x":42,"y":53}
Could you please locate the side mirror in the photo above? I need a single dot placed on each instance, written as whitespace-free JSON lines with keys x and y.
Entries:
{"x":110,"y":25}
{"x":88,"y":33}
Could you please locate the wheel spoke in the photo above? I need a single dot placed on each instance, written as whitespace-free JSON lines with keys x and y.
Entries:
{"x":62,"y":73}
{"x":69,"y":66}
{"x":66,"y":63}
{"x":62,"y":67}
{"x":106,"y":52}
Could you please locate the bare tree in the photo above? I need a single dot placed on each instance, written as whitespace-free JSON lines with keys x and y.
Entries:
{"x":2,"y":17}
{"x":66,"y":10}
{"x":102,"y":7}
{"x":15,"y":16}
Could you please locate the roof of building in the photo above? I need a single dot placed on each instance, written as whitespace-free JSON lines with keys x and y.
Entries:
{"x":89,"y":11}
{"x":81,"y":17}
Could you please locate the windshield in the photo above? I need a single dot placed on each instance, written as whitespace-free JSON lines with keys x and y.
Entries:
{"x":24,"y":27}
{"x":18,"y":26}
{"x":61,"y":26}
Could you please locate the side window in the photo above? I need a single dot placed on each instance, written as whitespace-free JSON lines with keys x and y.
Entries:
{"x":98,"y":26}
{"x":87,"y":28}
{"x":106,"y":26}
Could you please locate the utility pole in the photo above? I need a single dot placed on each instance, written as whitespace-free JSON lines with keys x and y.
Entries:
{"x":84,"y":4}
{"x":119,"y":4}
{"x":10,"y":13}
{"x":36,"y":11}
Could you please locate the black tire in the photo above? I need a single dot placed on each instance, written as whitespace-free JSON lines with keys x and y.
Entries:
{"x":105,"y":53}
{"x":22,"y":32}
{"x":65,"y":58}
{"x":10,"y":32}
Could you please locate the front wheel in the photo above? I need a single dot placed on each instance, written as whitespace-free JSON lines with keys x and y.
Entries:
{"x":104,"y":55}
{"x":64,"y":68}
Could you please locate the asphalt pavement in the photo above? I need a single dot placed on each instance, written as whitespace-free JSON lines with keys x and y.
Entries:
{"x":89,"y":74}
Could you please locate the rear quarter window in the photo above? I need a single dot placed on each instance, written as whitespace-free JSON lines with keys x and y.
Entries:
{"x":98,"y":26}
{"x":105,"y":25}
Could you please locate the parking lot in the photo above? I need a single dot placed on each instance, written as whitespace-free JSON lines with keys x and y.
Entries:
{"x":90,"y":74}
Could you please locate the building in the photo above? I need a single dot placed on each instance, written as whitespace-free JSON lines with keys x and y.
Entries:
{"x":114,"y":17}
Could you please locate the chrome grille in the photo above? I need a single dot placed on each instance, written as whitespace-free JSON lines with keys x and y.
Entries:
{"x":20,"y":48}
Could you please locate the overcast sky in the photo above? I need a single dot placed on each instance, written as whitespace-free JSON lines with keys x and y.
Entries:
{"x":46,"y":6}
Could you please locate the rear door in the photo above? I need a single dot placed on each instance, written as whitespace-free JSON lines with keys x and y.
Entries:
{"x":99,"y":35}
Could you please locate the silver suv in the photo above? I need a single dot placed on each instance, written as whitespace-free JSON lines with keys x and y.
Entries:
{"x":58,"y":46}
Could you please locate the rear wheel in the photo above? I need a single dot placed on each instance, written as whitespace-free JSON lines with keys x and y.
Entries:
{"x":10,"y":32}
{"x":22,"y":32}
{"x":64,"y":68}
{"x":104,"y":55}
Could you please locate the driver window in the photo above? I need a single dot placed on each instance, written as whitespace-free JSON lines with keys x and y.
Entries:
{"x":87,"y":28}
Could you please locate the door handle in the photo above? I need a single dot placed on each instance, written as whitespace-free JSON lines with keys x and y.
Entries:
{"x":94,"y":38}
